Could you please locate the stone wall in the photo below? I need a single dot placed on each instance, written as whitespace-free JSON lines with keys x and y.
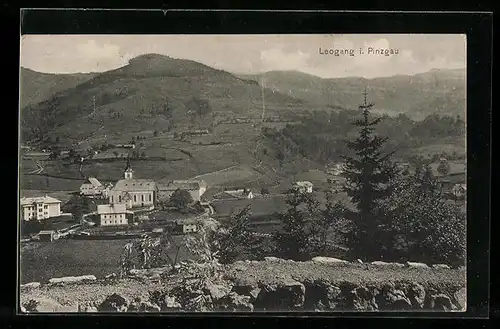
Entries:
{"x":320,"y":285}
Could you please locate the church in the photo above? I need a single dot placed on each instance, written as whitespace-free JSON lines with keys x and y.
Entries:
{"x":134,"y":193}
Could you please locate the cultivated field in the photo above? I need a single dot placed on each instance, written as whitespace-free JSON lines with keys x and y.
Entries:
{"x":259,"y":207}
{"x":41,"y":261}
{"x":48,"y":184}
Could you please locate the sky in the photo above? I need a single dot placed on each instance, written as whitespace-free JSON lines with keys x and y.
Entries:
{"x":252,"y":54}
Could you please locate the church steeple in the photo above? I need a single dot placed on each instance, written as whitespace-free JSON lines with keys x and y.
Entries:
{"x":128,"y":173}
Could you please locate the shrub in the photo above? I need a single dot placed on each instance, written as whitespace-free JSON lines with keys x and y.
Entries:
{"x":427,"y":228}
{"x":180,"y":199}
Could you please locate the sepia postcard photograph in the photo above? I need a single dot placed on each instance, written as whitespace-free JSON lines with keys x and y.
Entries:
{"x":245,"y":173}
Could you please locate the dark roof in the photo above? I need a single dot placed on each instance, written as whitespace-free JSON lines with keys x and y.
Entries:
{"x":182,"y":185}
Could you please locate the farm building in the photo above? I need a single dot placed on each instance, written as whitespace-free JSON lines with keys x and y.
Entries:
{"x":186,"y":226}
{"x":194,"y":187}
{"x":93,"y":187}
{"x":112,"y":214}
{"x":449,"y":181}
{"x":303,"y":186}
{"x":126,"y":146}
{"x":134,"y":193}
{"x":47,"y":236}
{"x":40,"y":208}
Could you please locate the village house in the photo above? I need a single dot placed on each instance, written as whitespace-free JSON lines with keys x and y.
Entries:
{"x":186,"y":226}
{"x":459,"y":190}
{"x":195,"y":187}
{"x":93,"y":187}
{"x":126,"y":146}
{"x":47,"y":235}
{"x":303,"y":186}
{"x":134,"y":193}
{"x":112,"y":214}
{"x":456,"y":176}
{"x":39,"y":208}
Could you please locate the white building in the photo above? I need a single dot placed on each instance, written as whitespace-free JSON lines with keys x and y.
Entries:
{"x":186,"y":226}
{"x":40,"y":208}
{"x":94,"y":188}
{"x":195,"y":187}
{"x":112,"y":214}
{"x":134,"y":193}
{"x":303,"y":186}
{"x":459,"y":190}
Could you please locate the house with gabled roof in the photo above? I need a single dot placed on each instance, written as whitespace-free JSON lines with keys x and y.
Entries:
{"x":195,"y":187}
{"x":112,"y":214}
{"x":93,"y":187}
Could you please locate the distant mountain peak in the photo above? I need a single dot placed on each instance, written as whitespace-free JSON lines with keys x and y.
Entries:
{"x":150,"y":56}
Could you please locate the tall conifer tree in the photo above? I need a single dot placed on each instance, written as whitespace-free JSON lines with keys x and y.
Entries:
{"x":368,"y":175}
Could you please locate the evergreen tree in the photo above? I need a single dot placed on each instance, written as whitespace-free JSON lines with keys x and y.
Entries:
{"x":368,"y":175}
{"x":294,"y":240}
{"x":235,"y":237}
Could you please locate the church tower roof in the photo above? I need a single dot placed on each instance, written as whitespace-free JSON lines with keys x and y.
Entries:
{"x":128,"y":170}
{"x":128,"y":167}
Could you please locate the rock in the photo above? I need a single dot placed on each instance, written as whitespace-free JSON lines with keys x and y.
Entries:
{"x":398,"y":300}
{"x":359,"y":261}
{"x":140,"y":306}
{"x":31,"y":285}
{"x":380,"y":263}
{"x":171,"y":303}
{"x":217,"y":291}
{"x":286,"y":295}
{"x":392,"y":299}
{"x":461,"y":299}
{"x":440,"y":267}
{"x":236,"y":302}
{"x":72,"y":279}
{"x":416,"y":265}
{"x":416,"y":295}
{"x":441,"y":302}
{"x":328,"y":260}
{"x":245,"y":289}
{"x":113,"y":303}
{"x":321,"y":295}
{"x":273,"y":259}
{"x":357,"y":298}
{"x":333,"y":295}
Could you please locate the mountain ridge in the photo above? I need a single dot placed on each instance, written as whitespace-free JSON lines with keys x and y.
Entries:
{"x":159,"y":91}
{"x":144,"y":91}
{"x":444,"y":89}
